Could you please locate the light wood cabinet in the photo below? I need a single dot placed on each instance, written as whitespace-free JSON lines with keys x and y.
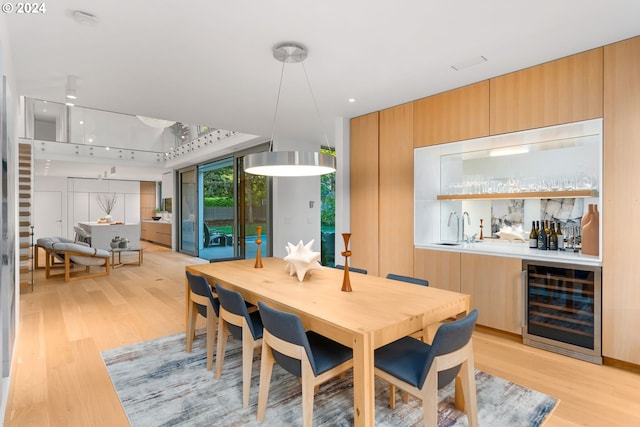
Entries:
{"x":561,"y":91}
{"x":440,"y":268}
{"x":495,"y":286}
{"x":620,"y":289}
{"x":454,"y":115}
{"x":396,"y":191}
{"x":147,"y":199}
{"x":364,"y":192}
{"x":156,"y":232}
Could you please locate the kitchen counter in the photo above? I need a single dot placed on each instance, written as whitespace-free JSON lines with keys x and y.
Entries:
{"x":515,"y":250}
{"x":102,"y":234}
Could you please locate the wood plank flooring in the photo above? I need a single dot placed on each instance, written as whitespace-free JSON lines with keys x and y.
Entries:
{"x":59,"y":379}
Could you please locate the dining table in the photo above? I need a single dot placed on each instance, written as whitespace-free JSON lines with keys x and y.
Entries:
{"x":376,"y":312}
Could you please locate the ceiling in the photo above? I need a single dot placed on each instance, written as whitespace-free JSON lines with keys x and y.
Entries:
{"x":210,"y":63}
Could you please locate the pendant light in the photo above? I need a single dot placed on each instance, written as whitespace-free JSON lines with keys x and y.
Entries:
{"x":289,"y":163}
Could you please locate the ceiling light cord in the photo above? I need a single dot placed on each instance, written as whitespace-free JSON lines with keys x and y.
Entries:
{"x":275,"y":113}
{"x":315,"y":104}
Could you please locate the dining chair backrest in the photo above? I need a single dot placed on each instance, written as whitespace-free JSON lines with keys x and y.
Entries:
{"x":287,"y":327}
{"x":200,"y":286}
{"x":450,"y":337}
{"x":408,"y":279}
{"x":354,"y":269}
{"x":233,"y":302}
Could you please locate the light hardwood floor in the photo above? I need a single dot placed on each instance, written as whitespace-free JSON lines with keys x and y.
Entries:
{"x":59,"y":379}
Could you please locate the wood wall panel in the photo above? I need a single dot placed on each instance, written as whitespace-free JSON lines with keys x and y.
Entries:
{"x":364,"y":193}
{"x":396,"y":190}
{"x":621,"y":201}
{"x":454,"y":115}
{"x":561,"y":91}
{"x":147,"y":199}
{"x":440,"y":268}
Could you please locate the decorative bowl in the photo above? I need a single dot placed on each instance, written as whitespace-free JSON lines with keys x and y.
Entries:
{"x":156,"y":218}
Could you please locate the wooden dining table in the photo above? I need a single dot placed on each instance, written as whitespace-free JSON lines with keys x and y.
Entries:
{"x":378,"y":310}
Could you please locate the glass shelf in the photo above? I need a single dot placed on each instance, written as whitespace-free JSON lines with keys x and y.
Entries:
{"x":521,"y":195}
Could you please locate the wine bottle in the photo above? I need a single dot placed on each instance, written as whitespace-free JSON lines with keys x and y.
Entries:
{"x":553,"y":238}
{"x":533,"y":236}
{"x":560,"y":238}
{"x":543,"y":240}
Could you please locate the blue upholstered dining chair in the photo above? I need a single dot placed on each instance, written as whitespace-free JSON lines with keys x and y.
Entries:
{"x":203,"y":302}
{"x":236,"y":319}
{"x":309,"y":356}
{"x":354,"y":269}
{"x":422,"y":369}
{"x":408,"y":279}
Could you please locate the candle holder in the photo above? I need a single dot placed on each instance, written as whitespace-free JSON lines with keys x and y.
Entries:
{"x":258,"y":254}
{"x":346,"y":283}
{"x":481,"y":226}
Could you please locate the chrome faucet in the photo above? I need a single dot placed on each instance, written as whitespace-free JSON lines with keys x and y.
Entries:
{"x":464,"y":236}
{"x":451,"y":214}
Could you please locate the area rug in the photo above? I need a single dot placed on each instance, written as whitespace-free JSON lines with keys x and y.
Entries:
{"x":160,"y":384}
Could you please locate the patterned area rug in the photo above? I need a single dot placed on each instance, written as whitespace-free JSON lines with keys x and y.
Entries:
{"x":159,"y":384}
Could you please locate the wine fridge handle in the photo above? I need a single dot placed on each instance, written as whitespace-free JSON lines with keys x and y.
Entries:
{"x":524,"y":299}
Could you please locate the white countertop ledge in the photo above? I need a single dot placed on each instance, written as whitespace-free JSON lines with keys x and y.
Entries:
{"x":516,"y":250}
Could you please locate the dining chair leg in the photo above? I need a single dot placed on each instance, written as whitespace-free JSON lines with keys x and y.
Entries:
{"x":430,"y":399}
{"x":191,"y":326}
{"x":223,"y":334}
{"x":468,"y":380}
{"x":247,"y":365}
{"x":308,"y":390}
{"x":266,"y":367}
{"x":392,"y":396}
{"x":211,"y":338}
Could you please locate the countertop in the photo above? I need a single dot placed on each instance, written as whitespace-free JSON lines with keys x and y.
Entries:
{"x":516,"y":250}
{"x":156,"y":222}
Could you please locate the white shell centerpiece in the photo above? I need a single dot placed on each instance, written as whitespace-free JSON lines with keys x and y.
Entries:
{"x":301,"y":259}
{"x":513,"y":234}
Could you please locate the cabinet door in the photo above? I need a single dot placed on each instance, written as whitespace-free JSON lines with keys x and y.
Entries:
{"x":440,"y":268}
{"x":620,"y":290}
{"x":562,"y":91}
{"x":455,"y":115}
{"x":396,"y":191}
{"x":495,"y":286}
{"x":364,"y":192}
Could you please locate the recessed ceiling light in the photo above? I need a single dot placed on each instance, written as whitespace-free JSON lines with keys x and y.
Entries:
{"x":469,"y":63}
{"x":84,"y":18}
{"x":90,"y":139}
{"x":106,"y":148}
{"x":81,"y":122}
{"x":352,"y":100}
{"x":69,"y":104}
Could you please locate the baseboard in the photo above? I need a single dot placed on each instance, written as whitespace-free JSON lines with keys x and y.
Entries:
{"x":620,"y":364}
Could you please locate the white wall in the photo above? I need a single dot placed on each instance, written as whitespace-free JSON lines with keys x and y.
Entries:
{"x":293,"y":218}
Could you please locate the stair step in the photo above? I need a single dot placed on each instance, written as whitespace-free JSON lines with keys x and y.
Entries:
{"x":25,"y":205}
{"x":24,"y":179}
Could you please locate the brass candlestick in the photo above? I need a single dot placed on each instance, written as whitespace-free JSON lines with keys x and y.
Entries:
{"x":346,"y":283}
{"x":258,"y":242}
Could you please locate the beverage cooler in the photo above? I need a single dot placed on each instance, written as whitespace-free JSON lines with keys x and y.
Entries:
{"x":562,"y":309}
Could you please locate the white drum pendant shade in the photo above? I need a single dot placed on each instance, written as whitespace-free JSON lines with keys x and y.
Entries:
{"x":289,"y":163}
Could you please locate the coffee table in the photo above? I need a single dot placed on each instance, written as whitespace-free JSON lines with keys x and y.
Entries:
{"x":119,"y":251}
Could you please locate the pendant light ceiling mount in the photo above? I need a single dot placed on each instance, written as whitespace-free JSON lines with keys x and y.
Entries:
{"x":289,"y":163}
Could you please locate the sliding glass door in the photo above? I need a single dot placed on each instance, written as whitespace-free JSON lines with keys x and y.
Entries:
{"x":217,"y":207}
{"x":221,"y":208}
{"x":254,"y":211}
{"x":187,"y":213}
